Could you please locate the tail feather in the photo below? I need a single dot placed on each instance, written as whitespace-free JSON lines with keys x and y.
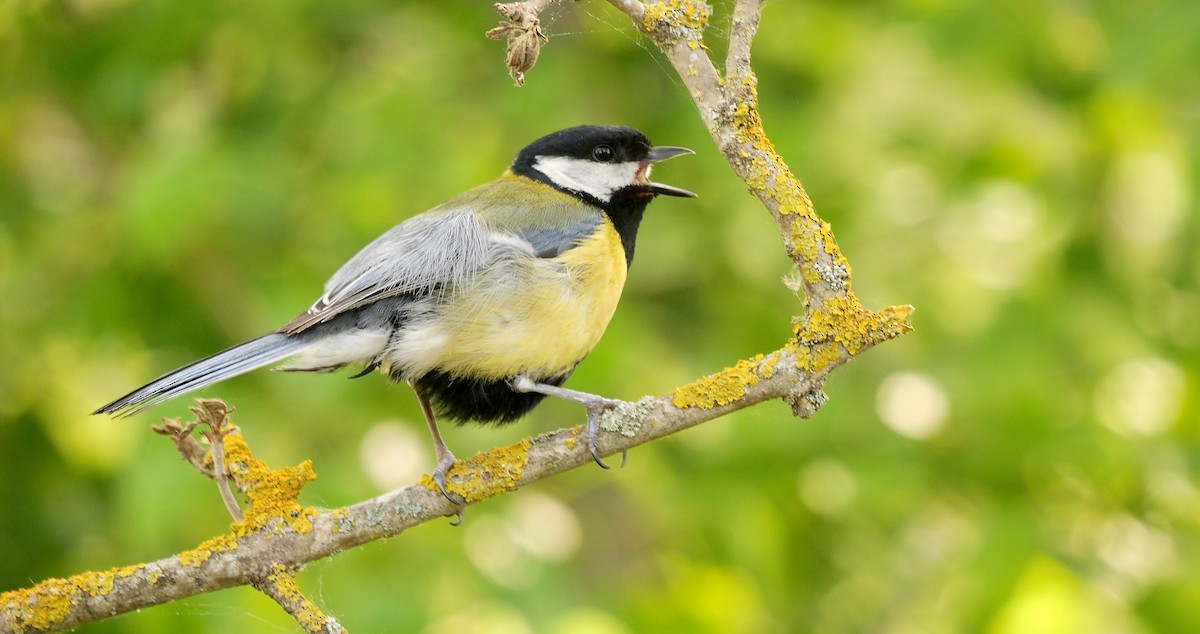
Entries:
{"x":256,"y":353}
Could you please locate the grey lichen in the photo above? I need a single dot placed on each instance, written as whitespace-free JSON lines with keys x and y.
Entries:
{"x":627,"y":418}
{"x":833,"y":275}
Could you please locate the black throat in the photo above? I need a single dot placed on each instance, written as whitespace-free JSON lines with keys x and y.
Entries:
{"x":625,"y":211}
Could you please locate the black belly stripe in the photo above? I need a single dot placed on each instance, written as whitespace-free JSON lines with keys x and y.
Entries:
{"x":482,"y":401}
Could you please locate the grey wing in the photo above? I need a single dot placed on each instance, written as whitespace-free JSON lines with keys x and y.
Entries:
{"x":552,"y":242}
{"x":427,"y":252}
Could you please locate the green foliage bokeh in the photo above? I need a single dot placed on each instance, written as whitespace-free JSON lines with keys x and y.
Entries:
{"x":178,"y":176}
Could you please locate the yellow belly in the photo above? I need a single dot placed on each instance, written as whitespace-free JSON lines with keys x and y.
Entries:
{"x":533,"y":316}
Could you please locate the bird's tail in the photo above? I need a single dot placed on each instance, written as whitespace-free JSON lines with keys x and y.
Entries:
{"x":256,"y":353}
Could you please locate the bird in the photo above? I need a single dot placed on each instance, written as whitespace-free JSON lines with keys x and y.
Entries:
{"x":484,"y":304}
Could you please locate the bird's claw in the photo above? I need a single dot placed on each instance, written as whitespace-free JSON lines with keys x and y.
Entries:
{"x":594,"y":412}
{"x":439,"y":478}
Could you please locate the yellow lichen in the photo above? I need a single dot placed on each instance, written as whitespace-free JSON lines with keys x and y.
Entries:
{"x":271,"y":493}
{"x":97,"y":584}
{"x":841,"y":323}
{"x":341,"y":520}
{"x":486,"y":474}
{"x":41,"y":607}
{"x":306,"y":613}
{"x":721,"y":388}
{"x":47,"y":604}
{"x":195,"y":557}
{"x":129,"y":571}
{"x":822,"y":356}
{"x":677,"y":21}
{"x":573,"y":439}
{"x":767,"y":368}
{"x":205,"y":550}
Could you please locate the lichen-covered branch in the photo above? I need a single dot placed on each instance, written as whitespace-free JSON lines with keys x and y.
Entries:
{"x":277,"y":535}
{"x":281,"y":586}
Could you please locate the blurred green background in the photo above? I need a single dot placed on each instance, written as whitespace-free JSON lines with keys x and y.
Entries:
{"x":178,"y":176}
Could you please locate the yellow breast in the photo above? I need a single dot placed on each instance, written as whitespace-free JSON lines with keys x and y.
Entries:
{"x":534,"y":316}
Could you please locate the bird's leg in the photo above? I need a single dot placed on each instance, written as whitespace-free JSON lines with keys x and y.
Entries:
{"x":596,"y":405}
{"x":445,"y":459}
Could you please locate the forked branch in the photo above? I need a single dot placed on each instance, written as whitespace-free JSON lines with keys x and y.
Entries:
{"x":277,"y":535}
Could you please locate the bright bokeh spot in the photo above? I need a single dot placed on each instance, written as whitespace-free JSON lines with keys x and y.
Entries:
{"x":995,"y":234}
{"x":912,"y":404}
{"x":544,"y":527}
{"x":489,"y":546}
{"x":392,"y":455}
{"x":1134,"y":549}
{"x":510,"y":549}
{"x":1146,"y":198}
{"x":1140,"y":397}
{"x":68,"y":392}
{"x":1047,"y":599}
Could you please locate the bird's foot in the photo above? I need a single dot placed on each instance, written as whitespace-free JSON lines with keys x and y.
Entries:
{"x":595,"y":409}
{"x":439,"y":478}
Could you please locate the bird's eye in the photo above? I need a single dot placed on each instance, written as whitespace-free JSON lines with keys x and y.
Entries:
{"x":603,"y":154}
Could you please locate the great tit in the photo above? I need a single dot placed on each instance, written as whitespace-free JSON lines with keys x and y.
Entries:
{"x":484,"y":304}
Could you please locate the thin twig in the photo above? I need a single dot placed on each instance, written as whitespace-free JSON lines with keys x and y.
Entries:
{"x":189,"y":448}
{"x":742,"y":29}
{"x":216,"y":440}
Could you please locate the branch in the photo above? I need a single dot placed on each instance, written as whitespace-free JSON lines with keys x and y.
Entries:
{"x":281,"y":586}
{"x":278,"y":536}
{"x":742,"y":29}
{"x":277,"y":531}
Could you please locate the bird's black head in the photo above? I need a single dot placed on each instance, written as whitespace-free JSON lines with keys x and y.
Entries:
{"x":605,"y":166}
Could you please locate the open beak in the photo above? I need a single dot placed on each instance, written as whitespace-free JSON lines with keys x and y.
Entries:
{"x":657,"y":155}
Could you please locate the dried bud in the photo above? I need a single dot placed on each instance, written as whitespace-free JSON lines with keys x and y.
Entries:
{"x":525,"y":38}
{"x":523,"y":52}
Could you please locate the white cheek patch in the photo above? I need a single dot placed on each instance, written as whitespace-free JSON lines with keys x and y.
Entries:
{"x":600,"y":180}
